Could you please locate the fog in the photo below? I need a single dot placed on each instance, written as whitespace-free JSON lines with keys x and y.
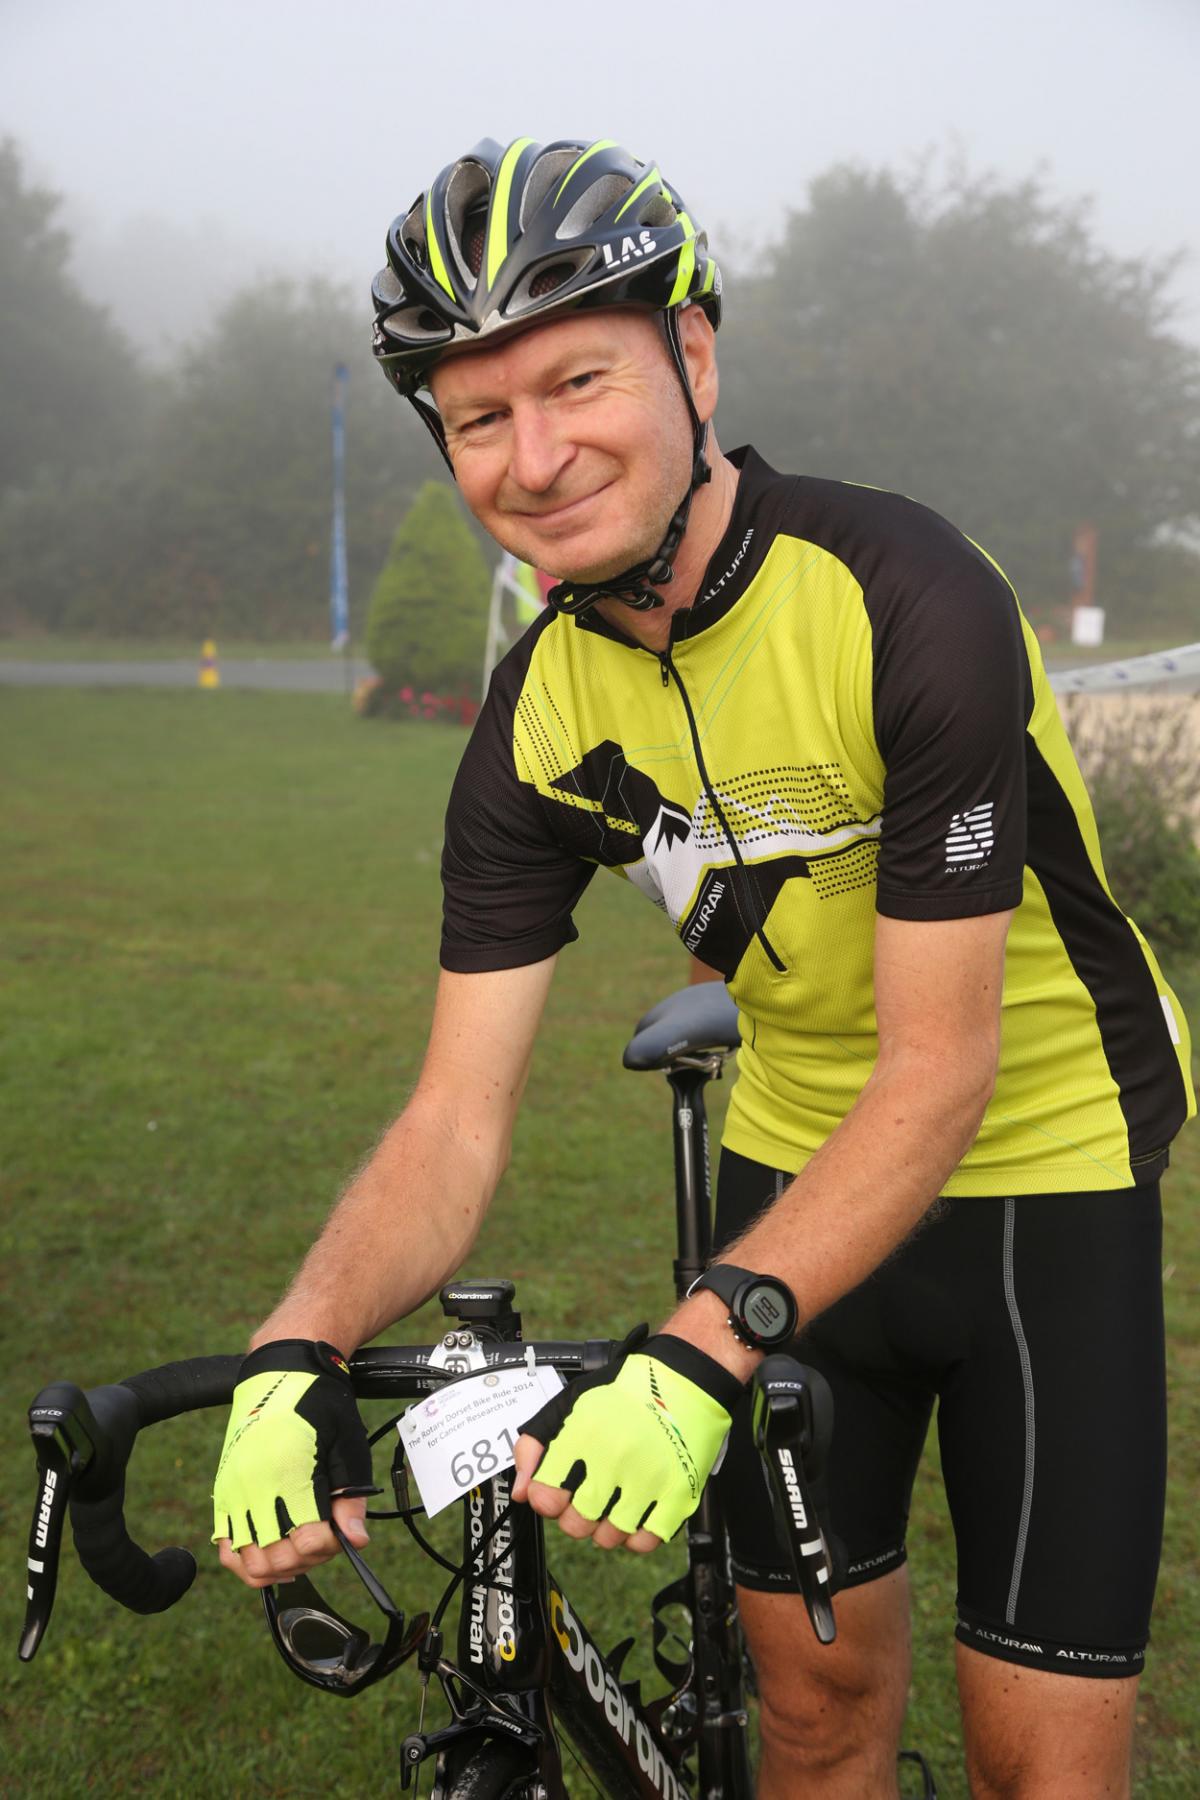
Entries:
{"x":199,"y":148}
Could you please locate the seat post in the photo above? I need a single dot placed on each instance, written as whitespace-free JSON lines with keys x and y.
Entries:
{"x":693,"y":1175}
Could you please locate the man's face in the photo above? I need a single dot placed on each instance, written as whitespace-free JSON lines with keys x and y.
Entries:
{"x":571,"y":442}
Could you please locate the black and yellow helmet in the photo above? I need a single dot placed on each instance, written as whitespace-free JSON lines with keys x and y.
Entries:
{"x":504,"y":236}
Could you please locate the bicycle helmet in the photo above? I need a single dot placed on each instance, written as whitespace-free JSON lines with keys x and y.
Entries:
{"x":505,"y":237}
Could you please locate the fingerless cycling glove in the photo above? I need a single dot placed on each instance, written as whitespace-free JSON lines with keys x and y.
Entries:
{"x":636,"y":1442}
{"x":294,"y":1439}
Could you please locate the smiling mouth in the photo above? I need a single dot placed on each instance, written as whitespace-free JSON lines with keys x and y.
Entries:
{"x":559,"y":513}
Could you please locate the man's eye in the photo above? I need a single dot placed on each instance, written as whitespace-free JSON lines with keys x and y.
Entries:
{"x":482,"y":419}
{"x":582,"y":381}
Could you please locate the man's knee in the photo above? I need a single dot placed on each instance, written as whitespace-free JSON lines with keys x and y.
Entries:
{"x":1035,"y":1735}
{"x":818,"y":1700}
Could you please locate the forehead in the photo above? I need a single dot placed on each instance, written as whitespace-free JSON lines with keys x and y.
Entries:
{"x":532,"y":357}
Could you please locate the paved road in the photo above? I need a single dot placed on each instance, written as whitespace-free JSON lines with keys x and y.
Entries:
{"x":329,"y":677}
{"x":298,"y":677}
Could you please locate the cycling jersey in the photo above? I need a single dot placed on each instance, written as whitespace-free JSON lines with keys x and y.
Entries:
{"x":852,"y":718}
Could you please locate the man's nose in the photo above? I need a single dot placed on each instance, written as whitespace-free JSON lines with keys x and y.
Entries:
{"x":539,"y":453}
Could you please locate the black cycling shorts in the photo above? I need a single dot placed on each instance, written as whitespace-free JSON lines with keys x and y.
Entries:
{"x":1036,"y":1325}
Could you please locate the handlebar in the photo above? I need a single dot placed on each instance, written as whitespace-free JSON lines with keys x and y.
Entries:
{"x":83,"y":1443}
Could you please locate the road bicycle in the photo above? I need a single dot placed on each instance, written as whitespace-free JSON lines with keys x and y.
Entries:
{"x":533,"y":1702}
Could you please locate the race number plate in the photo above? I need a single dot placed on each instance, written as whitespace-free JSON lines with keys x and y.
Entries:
{"x":468,"y":1432}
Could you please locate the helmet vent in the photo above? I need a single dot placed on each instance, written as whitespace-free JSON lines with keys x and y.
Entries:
{"x":416,"y":325}
{"x":593,"y":203}
{"x":551,"y":275}
{"x":466,"y":209}
{"x":387,"y":289}
{"x":473,"y":235}
{"x":657,"y":208}
{"x":546,"y":173}
{"x":546,"y":280}
{"x":412,"y":233}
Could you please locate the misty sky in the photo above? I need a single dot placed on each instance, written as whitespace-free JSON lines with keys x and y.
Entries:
{"x":226,"y":139}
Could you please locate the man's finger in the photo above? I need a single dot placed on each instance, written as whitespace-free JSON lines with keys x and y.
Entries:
{"x":527,"y":1455}
{"x":551,"y":1502}
{"x":571,"y":1521}
{"x":255,"y":1573}
{"x":350,"y":1514}
{"x":313,"y":1543}
{"x":607,"y":1537}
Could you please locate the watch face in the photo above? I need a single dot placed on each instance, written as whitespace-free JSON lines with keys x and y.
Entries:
{"x":766,"y":1310}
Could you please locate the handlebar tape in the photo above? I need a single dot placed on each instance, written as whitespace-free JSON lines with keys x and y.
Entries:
{"x":181,"y":1387}
{"x":143,"y":1583}
{"x":127,"y":1573}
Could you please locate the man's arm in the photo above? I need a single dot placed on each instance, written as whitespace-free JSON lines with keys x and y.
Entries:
{"x":410,"y":1216}
{"x":937,"y":1004}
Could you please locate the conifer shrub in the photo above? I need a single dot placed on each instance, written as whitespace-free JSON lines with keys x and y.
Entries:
{"x":427,"y":619}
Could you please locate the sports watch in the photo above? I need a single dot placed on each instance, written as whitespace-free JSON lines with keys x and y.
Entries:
{"x":763,"y":1313}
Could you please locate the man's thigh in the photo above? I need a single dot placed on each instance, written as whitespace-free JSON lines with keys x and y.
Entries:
{"x":1053,"y":1432}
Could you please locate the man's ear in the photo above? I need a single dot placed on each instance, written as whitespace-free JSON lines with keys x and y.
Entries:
{"x":700,"y":354}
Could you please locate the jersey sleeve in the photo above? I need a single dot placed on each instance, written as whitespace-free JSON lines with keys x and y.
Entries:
{"x":951,"y":695}
{"x":508,"y":887}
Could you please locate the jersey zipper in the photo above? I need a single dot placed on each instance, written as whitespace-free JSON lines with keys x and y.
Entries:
{"x":671,"y":673}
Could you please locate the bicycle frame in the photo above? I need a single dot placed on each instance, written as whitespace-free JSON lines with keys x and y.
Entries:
{"x":520,"y":1637}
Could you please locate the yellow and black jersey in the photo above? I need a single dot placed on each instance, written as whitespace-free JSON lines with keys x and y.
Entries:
{"x":852,"y":718}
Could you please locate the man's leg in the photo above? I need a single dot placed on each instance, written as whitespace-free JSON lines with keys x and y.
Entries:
{"x":831,"y":1714}
{"x":1032,"y":1735}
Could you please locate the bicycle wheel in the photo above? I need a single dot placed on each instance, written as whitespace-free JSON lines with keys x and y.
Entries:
{"x":494,"y":1772}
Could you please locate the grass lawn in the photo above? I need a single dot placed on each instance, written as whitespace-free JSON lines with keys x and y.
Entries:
{"x":218,"y":954}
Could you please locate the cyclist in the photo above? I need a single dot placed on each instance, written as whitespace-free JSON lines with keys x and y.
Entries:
{"x":808,"y":721}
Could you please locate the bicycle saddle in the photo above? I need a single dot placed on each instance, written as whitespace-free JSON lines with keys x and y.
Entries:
{"x":692,"y":1021}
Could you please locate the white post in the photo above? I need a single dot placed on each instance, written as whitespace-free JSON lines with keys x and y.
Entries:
{"x":491,"y":647}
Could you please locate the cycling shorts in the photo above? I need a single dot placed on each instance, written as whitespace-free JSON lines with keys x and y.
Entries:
{"x":1036,"y":1325}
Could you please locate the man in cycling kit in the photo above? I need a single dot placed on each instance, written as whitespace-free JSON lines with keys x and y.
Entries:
{"x":809,"y":722}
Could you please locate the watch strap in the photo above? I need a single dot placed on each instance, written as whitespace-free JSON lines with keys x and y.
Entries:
{"x":724,"y":1279}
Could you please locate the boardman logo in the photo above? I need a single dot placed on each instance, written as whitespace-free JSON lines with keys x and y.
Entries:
{"x":970,"y":837}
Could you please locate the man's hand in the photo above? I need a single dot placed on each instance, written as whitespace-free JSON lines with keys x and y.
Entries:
{"x":295,"y":1441}
{"x":622,"y":1456}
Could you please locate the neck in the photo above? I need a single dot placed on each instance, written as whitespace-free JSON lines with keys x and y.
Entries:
{"x":712,"y":509}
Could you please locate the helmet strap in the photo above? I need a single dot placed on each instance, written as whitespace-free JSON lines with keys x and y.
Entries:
{"x":431,"y":418}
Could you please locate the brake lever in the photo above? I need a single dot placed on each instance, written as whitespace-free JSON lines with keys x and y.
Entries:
{"x":793,"y":1425}
{"x":65,"y":1437}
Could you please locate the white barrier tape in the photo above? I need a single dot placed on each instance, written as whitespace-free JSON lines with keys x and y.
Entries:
{"x":1181,"y":667}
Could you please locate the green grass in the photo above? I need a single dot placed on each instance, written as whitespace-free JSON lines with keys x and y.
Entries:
{"x":219,"y":945}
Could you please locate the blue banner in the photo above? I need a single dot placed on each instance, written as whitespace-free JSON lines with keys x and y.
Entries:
{"x":339,"y":580}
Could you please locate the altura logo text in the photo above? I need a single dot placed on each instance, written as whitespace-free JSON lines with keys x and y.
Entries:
{"x":705,"y":914}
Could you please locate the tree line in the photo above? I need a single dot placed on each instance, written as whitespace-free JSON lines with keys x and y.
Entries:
{"x":967,"y":342}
